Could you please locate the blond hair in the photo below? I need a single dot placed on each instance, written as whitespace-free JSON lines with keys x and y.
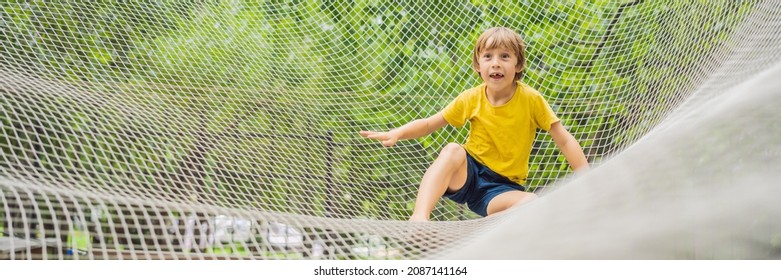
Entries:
{"x":501,"y":37}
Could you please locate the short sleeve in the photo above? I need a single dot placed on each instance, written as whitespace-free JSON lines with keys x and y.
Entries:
{"x":458,"y":111}
{"x":543,"y":115}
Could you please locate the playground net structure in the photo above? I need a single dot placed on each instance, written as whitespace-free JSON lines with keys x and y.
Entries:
{"x":229,"y":129}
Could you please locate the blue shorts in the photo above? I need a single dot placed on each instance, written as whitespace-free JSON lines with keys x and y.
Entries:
{"x":481,"y":186}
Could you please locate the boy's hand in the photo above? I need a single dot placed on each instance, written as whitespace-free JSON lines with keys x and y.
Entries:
{"x":388,"y":139}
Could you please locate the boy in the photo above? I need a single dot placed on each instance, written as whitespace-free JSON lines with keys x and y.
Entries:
{"x":488,"y":172}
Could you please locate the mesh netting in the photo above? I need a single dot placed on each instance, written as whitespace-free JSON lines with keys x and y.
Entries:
{"x":229,"y":129}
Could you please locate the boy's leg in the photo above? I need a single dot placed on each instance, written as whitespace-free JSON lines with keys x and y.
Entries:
{"x":447,"y":173}
{"x":509,"y":199}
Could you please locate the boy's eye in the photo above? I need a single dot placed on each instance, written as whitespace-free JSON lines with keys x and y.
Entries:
{"x":505,"y":55}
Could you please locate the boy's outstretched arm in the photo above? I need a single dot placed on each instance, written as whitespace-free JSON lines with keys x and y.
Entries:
{"x":414,"y":129}
{"x":569,"y":147}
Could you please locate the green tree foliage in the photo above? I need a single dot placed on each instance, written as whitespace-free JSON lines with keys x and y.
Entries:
{"x":233,"y":67}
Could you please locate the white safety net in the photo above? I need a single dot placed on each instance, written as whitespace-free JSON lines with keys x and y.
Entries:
{"x":201,"y":129}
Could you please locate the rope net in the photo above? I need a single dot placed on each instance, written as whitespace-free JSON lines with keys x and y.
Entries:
{"x":229,"y":129}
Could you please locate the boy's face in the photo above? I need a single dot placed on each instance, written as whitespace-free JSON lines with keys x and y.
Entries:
{"x":497,"y":67}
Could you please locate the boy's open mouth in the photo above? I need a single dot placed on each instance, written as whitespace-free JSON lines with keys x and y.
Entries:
{"x":496,"y":75}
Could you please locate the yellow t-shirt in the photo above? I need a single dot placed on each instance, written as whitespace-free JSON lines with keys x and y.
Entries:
{"x":501,"y":137}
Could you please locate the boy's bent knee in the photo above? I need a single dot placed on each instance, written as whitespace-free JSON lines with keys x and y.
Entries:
{"x":453,"y":150}
{"x":452,"y":154}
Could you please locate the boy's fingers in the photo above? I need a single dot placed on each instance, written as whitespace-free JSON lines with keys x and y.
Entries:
{"x":383,"y":137}
{"x":374,"y":135}
{"x":387,"y":143}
